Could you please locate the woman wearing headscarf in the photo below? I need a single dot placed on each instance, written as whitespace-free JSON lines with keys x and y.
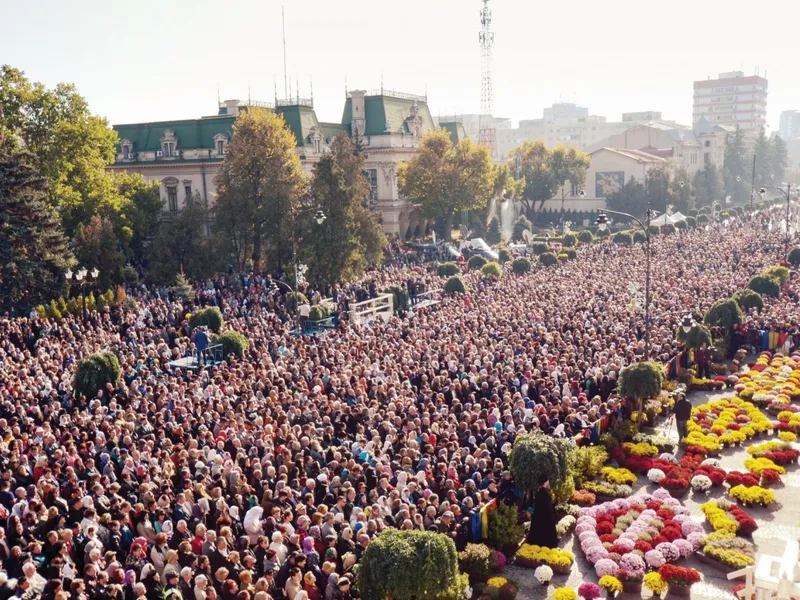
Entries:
{"x":543,"y":522}
{"x":253,"y":525}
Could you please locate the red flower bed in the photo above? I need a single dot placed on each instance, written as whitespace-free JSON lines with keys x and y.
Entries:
{"x":768,"y":476}
{"x":604,"y":527}
{"x":671,"y":533}
{"x":608,"y":537}
{"x":691,"y":461}
{"x":735,"y":478}
{"x":696,"y":450}
{"x":782,"y":457}
{"x":747,"y":524}
{"x":679,"y":575}
{"x":639,"y":464}
{"x":658,"y":539}
{"x":643,"y":546}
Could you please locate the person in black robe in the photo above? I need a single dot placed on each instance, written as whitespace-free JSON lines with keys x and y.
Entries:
{"x":543,"y":522}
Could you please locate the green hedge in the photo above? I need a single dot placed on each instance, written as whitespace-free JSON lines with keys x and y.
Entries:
{"x":548,"y":259}
{"x":521,"y":265}
{"x":447,"y":269}
{"x":779,"y":274}
{"x":207,"y":317}
{"x":571,"y":253}
{"x":292,"y":300}
{"x":455,"y":285}
{"x":691,"y":222}
{"x":766,"y":286}
{"x":623,"y":238}
{"x":503,"y":255}
{"x":794,"y":257}
{"x":476,"y":262}
{"x":668,"y":228}
{"x":492,"y":269}
{"x":233,"y":343}
{"x":569,"y":240}
{"x":318,"y":312}
{"x":539,"y":248}
{"x":586,"y":236}
{"x":639,"y":236}
{"x":94,"y":372}
{"x":401,"y":299}
{"x":681,"y":225}
{"x":603,"y":233}
{"x":702,"y":219}
{"x":747,"y":299}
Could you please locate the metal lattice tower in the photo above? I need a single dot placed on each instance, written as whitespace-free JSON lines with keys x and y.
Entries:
{"x":486,"y":135}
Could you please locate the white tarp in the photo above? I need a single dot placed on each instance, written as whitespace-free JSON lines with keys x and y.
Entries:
{"x":668,"y":219}
{"x":480,"y":246}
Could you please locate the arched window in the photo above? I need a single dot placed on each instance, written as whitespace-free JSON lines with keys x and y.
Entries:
{"x":169,"y":143}
{"x":126,"y":149}
{"x":220,"y":141}
{"x":171,"y":186}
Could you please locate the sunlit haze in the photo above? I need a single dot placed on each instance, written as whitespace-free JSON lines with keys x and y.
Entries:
{"x":149,"y":60}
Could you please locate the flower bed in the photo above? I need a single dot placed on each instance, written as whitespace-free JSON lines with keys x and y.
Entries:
{"x":754,"y":495}
{"x":532,"y":556}
{"x":770,"y":379}
{"x":726,"y":551}
{"x":634,"y":534}
{"x":725,"y":516}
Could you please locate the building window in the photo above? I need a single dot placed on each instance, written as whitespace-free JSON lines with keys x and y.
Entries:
{"x":126,"y":151}
{"x":707,"y":158}
{"x":220,"y":147}
{"x":172,"y":197}
{"x":187,"y":189}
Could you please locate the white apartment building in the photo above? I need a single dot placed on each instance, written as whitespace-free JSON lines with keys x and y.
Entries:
{"x":790,"y":125}
{"x":732,"y":99}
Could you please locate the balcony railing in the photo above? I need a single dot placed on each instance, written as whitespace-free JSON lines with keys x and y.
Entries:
{"x":394,"y":94}
{"x":308,"y":102}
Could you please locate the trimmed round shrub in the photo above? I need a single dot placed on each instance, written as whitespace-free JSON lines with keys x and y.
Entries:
{"x":691,"y":222}
{"x":455,"y":285}
{"x":233,"y":343}
{"x":697,"y":336}
{"x":520,"y":266}
{"x":94,"y":372}
{"x":503,"y":255}
{"x":681,"y":225}
{"x":704,"y":210}
{"x":318,"y":312}
{"x":569,"y":240}
{"x":548,"y":259}
{"x":447,"y":269}
{"x":210,"y":317}
{"x":603,"y":233}
{"x":539,"y":248}
{"x":794,"y":257}
{"x":702,"y":219}
{"x":639,"y":237}
{"x":476,"y":262}
{"x":747,"y":299}
{"x":668,"y":228}
{"x":691,"y":213}
{"x":491,"y":269}
{"x":562,"y":257}
{"x":766,"y":286}
{"x":585,"y":236}
{"x":779,"y":274}
{"x":401,"y":299}
{"x":294,"y":299}
{"x":654,"y":229}
{"x":623,"y":238}
{"x":129,"y":275}
{"x":724,"y":313}
{"x":571,"y":253}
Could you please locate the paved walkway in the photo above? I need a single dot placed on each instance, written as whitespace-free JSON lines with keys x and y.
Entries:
{"x":775,"y":528}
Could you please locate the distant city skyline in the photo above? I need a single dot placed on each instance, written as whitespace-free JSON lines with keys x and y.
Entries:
{"x":153,"y":61}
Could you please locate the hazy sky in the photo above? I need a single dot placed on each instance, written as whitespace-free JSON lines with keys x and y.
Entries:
{"x":155,"y":60}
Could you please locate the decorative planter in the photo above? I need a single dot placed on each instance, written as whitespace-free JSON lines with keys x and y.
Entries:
{"x":714,"y":563}
{"x":632,"y":587}
{"x":600,"y":499}
{"x":525,"y":563}
{"x":680,"y":590}
{"x":561,"y":570}
{"x":679,"y":493}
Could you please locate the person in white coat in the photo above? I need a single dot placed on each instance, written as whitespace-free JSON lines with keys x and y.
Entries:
{"x":253,"y":524}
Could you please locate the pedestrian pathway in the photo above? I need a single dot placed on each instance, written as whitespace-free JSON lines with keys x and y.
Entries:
{"x":775,"y":528}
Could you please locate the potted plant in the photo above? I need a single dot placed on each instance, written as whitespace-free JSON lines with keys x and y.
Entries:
{"x":655,"y":583}
{"x":589,"y":591}
{"x":543,"y":574}
{"x":476,"y":560}
{"x":505,"y":530}
{"x":611,"y":585}
{"x":631,"y":581}
{"x":679,"y":579}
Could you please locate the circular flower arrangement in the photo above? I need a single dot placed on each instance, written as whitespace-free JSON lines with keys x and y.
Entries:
{"x":701,"y":483}
{"x":656,"y":475}
{"x":633,"y":534}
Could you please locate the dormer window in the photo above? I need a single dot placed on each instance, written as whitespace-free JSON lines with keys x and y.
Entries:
{"x":126,"y":149}
{"x":220,"y":141}
{"x":169,"y":143}
{"x":316,"y":139}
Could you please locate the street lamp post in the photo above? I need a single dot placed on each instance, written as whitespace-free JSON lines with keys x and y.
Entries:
{"x":82,"y":276}
{"x":788,"y":194}
{"x":319,"y":217}
{"x":602,"y":223}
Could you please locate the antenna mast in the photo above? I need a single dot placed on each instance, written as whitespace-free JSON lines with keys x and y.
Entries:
{"x":285,"y":79}
{"x":486,"y":135}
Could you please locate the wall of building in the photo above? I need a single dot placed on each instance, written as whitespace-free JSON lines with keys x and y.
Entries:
{"x":611,"y":170}
{"x":732,"y":99}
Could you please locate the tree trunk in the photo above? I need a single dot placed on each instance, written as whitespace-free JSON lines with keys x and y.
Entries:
{"x":448,"y":226}
{"x":257,"y":250}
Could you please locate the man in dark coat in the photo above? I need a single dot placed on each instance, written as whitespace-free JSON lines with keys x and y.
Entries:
{"x":543,"y":521}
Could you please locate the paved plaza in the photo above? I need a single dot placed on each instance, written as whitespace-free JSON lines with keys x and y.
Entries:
{"x":775,"y":528}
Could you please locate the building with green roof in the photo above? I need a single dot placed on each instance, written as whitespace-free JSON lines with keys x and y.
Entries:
{"x":185,"y":155}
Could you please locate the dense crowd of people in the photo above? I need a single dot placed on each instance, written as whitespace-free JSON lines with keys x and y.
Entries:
{"x":267,"y":476}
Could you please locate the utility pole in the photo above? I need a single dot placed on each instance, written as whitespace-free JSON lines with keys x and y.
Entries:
{"x":753,"y":183}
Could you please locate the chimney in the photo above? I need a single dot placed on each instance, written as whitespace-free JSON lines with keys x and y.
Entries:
{"x":231,"y":108}
{"x":358,"y":126}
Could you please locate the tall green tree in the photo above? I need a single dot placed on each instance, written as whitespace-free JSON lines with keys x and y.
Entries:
{"x":34,"y":253}
{"x":350,"y":238}
{"x":708,"y":185}
{"x":659,"y":187}
{"x":682,"y":195}
{"x":631,"y":198}
{"x":779,"y":158}
{"x":97,"y":246}
{"x":68,"y":145}
{"x":735,"y":173}
{"x":257,"y":186}
{"x":445,"y":178}
{"x":545,"y":171}
{"x":182,"y":244}
{"x":140,"y":213}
